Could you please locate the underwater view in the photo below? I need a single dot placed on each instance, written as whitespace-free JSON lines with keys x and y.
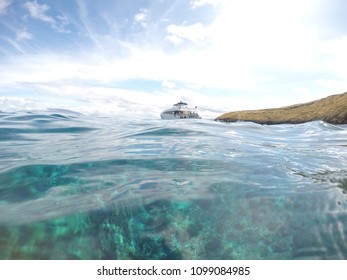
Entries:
{"x":80,"y":187}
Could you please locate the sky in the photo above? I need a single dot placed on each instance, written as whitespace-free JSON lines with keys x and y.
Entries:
{"x":142,"y":56}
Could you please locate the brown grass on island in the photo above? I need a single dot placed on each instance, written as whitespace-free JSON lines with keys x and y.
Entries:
{"x":332,"y":109}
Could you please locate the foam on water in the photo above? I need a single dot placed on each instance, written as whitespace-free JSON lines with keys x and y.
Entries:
{"x":78,"y":187}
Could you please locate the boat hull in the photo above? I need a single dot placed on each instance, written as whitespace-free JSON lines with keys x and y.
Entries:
{"x":179,"y":115}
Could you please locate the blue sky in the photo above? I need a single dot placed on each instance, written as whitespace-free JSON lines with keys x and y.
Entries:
{"x":141,"y":56}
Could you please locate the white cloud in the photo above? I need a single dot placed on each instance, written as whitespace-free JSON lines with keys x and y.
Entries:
{"x":141,"y":17}
{"x":13,"y":104}
{"x":176,"y":40}
{"x":87,"y":26}
{"x":15,"y":45}
{"x":23,"y":34}
{"x":99,"y":100}
{"x":4,"y":4}
{"x":267,"y":32}
{"x":335,"y":56}
{"x":194,"y":33}
{"x":39,"y":12}
{"x":333,"y":85}
{"x":168,"y":84}
{"x":62,"y":22}
{"x":199,"y":3}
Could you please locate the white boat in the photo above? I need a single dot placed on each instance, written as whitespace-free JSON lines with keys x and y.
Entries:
{"x":180,"y":111}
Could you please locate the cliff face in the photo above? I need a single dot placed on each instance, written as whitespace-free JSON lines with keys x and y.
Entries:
{"x":332,"y":109}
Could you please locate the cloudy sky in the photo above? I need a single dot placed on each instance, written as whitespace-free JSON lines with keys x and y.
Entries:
{"x":117,"y":56}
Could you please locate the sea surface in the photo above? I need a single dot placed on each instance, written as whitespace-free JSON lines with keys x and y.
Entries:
{"x":81,"y":187}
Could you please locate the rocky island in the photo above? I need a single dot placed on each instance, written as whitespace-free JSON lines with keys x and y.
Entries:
{"x":332,"y":109}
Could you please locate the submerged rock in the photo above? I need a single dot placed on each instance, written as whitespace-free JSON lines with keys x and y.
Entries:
{"x":332,"y":109}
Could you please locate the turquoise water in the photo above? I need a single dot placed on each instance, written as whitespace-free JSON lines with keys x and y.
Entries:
{"x":81,"y":187}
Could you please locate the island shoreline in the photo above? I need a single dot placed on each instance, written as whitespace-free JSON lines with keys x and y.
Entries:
{"x":331,"y":109}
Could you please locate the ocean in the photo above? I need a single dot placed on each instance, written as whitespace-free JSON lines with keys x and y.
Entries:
{"x":74,"y":186}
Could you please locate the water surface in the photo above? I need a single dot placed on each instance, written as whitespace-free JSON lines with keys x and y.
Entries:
{"x":81,"y":187}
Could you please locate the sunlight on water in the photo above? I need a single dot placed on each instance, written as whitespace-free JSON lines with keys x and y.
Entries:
{"x":77,"y":187}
